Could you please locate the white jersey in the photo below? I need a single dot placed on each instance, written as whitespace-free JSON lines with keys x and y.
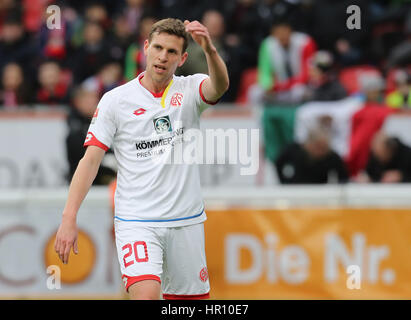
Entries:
{"x":144,"y":129}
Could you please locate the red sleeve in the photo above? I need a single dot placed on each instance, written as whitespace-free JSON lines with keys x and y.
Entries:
{"x":91,"y":140}
{"x":202,"y":96}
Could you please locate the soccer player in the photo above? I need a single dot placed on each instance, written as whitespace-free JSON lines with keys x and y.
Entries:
{"x":159,"y":212}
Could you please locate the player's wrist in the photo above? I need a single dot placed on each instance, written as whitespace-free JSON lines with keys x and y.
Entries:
{"x":69,"y":217}
{"x":210,"y":50}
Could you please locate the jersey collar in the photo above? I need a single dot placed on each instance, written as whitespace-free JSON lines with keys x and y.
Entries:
{"x":162,"y":94}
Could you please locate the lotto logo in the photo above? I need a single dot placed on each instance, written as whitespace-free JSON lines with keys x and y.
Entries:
{"x":204,"y":274}
{"x":139,"y":112}
{"x":176,"y":100}
{"x":89,"y":137}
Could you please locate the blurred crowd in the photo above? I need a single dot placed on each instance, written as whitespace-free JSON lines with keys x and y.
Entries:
{"x":312,"y":58}
{"x":99,"y":44}
{"x":287,"y":51}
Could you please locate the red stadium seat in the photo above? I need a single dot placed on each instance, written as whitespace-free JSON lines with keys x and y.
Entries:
{"x":350,"y":76}
{"x":248,"y":78}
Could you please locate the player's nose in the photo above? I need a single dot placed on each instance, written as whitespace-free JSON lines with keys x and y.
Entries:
{"x":163,"y":56}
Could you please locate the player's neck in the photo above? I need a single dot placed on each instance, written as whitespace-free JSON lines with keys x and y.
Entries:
{"x":153,"y":86}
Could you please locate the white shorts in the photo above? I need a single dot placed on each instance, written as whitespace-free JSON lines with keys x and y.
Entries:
{"x":174,"y":256}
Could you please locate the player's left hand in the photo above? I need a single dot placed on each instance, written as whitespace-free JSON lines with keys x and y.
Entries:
{"x":200,"y":35}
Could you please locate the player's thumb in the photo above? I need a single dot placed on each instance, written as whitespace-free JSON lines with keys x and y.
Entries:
{"x":186,"y":22}
{"x":75,"y":247}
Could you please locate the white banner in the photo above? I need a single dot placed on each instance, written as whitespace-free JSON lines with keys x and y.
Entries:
{"x":33,"y":150}
{"x":29,"y":266}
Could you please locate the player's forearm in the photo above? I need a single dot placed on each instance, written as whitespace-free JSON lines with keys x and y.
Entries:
{"x":80,"y":184}
{"x":218,"y":74}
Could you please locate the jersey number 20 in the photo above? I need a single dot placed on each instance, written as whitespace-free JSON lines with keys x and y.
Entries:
{"x":130,"y":250}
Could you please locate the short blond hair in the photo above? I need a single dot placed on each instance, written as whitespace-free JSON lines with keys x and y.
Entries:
{"x":171,"y":26}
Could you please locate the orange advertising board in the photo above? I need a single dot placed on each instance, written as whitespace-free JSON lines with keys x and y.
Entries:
{"x":309,"y":253}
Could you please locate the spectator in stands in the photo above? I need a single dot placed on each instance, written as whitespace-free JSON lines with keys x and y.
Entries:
{"x":400,"y":55}
{"x":10,"y":9}
{"x":329,"y":28}
{"x":387,"y":28}
{"x":97,"y":12}
{"x":83,"y":107}
{"x":196,"y":62}
{"x":134,"y":12}
{"x":189,"y":9}
{"x":94,"y":11}
{"x":14,"y":91}
{"x":109,"y":77}
{"x":389,"y":162}
{"x":92,"y":55}
{"x":54,"y":42}
{"x":372,"y":87}
{"x":33,"y":11}
{"x":284,"y":60}
{"x":244,"y":29}
{"x":135,"y":60}
{"x":269,"y":10}
{"x":17,"y":46}
{"x":401,"y":96}
{"x":297,"y":11}
{"x":120,"y":38}
{"x":323,"y":84}
{"x":312,"y":162}
{"x":53,"y":90}
{"x":366,"y":122}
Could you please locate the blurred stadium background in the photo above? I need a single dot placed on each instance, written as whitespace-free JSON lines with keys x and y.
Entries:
{"x":332,"y":104}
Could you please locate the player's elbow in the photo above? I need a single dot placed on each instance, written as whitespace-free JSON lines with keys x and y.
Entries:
{"x":225,"y":82}
{"x":214,"y":90}
{"x":226,"y":85}
{"x":223,"y":87}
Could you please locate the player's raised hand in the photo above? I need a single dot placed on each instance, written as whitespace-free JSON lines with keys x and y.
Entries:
{"x":200,"y":35}
{"x":66,"y":238}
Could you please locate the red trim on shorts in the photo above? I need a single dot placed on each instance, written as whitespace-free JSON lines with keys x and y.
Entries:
{"x":186,"y":296}
{"x":91,"y":140}
{"x":133,"y":280}
{"x":204,"y":99}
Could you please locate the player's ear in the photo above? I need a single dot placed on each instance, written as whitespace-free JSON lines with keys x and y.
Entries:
{"x":146,"y":44}
{"x":183,"y":58}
